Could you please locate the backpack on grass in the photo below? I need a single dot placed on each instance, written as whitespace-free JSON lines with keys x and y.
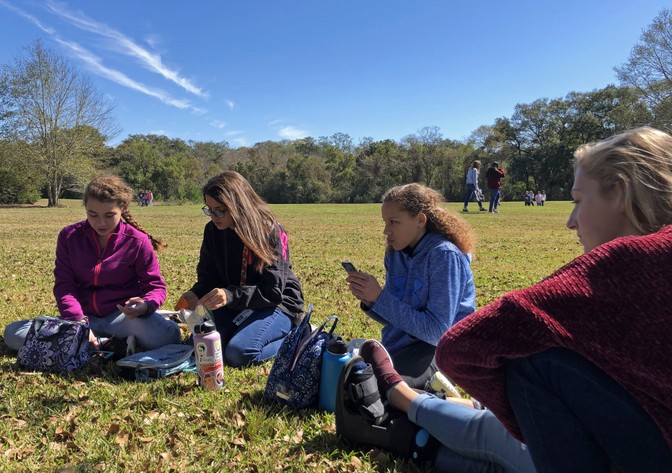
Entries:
{"x":364,"y":420}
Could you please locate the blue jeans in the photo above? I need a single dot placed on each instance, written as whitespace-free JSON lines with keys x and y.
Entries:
{"x":494,"y":199}
{"x":575,"y":417}
{"x":471,"y":440}
{"x":254,"y":339}
{"x":150,"y":332}
{"x":471,"y":189}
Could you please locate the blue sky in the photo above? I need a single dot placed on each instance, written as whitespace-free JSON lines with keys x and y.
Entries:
{"x":251,"y":71}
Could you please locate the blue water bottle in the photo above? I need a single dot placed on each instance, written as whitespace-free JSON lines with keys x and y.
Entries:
{"x":333,"y":360}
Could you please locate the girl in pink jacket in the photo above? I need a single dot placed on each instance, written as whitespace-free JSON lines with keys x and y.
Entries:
{"x":107,"y":274}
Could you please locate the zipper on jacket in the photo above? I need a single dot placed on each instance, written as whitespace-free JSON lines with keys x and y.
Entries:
{"x":96,"y":270}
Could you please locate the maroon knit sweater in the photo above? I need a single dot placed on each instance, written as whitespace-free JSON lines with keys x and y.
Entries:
{"x":612,"y":305}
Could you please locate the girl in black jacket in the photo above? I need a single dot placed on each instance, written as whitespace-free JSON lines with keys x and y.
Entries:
{"x":244,"y":273}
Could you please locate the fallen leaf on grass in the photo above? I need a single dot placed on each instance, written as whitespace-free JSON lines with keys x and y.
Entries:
{"x":113,"y":429}
{"x":123,"y":438}
{"x":62,"y":434}
{"x":20,"y":423}
{"x":18,"y":453}
{"x":379,"y":457}
{"x":356,"y":462}
{"x":239,"y":441}
{"x":238,"y":420}
{"x":151,"y":416}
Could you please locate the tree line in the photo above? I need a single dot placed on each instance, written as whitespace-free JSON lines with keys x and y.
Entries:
{"x":54,"y":127}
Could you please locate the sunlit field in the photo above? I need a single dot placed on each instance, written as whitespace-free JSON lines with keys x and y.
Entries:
{"x":94,"y":421}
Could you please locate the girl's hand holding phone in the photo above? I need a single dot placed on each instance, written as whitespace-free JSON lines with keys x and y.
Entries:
{"x":133,"y":308}
{"x":364,"y":287}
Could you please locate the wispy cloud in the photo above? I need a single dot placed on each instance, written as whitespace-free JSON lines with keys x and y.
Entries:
{"x":231,"y":104}
{"x":28,"y":16}
{"x":153,"y":40}
{"x":292,"y":133}
{"x":123,"y":44}
{"x":234,"y":133}
{"x":275,"y":122}
{"x":218,"y":124}
{"x":240,"y":141}
{"x":95,"y":65}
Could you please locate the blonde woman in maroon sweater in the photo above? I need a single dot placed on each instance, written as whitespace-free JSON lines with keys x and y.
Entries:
{"x":578,"y":366}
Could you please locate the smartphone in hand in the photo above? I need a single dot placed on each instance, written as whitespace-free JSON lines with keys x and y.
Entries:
{"x":348,"y":266}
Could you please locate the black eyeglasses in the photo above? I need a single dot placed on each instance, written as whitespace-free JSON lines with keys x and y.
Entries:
{"x":213,"y":213}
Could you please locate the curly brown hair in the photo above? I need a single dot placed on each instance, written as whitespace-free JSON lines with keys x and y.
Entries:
{"x":112,"y":188}
{"x":415,"y":199}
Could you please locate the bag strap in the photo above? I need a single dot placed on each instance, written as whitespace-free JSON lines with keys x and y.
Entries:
{"x":303,"y":344}
{"x":306,"y":318}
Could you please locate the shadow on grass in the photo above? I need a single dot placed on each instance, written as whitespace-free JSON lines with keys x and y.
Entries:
{"x":327,"y":440}
{"x":380,"y":460}
{"x":96,"y":369}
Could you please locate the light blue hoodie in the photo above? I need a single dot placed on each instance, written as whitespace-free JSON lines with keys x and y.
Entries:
{"x":426,"y":291}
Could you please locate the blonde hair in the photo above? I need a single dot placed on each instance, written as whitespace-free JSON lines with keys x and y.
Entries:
{"x":477,"y":165}
{"x":416,"y":198}
{"x":253,"y":220}
{"x":640,"y":162}
{"x":113,"y":189}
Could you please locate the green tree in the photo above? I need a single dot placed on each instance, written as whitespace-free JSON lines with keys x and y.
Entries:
{"x":138,"y":162}
{"x":19,"y":176}
{"x":50,"y":105}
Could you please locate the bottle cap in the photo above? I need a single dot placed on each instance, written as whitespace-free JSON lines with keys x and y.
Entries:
{"x":337,"y":346}
{"x":205,"y":327}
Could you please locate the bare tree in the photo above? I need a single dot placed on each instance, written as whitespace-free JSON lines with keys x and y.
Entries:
{"x":54,"y":108}
{"x":649,"y":67}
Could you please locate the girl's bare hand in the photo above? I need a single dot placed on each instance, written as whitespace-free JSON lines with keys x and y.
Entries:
{"x":364,"y":287}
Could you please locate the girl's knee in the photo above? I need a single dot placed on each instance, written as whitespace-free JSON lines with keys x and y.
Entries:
{"x":237,"y":356}
{"x":15,"y":334}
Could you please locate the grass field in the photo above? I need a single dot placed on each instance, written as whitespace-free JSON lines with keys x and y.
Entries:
{"x":94,"y":421}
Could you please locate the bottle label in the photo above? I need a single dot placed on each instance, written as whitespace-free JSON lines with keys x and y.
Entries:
{"x":210,"y":367}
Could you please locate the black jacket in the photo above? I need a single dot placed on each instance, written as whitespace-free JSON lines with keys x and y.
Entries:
{"x":220,"y":264}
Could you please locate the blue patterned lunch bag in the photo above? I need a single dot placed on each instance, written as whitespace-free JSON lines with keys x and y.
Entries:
{"x":55,"y":345}
{"x":294,"y":379}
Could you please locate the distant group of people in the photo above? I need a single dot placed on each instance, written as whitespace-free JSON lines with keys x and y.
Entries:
{"x":572,"y":372}
{"x":530,"y":198}
{"x":145,"y":198}
{"x":493,"y":177}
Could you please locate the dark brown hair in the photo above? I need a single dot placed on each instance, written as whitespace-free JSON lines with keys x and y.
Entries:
{"x":253,"y":220}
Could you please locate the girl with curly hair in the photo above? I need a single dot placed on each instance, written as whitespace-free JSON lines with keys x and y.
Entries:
{"x":428,"y":286}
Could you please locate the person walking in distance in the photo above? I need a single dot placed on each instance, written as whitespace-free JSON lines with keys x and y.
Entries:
{"x":494,"y":177}
{"x":472,"y":186}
